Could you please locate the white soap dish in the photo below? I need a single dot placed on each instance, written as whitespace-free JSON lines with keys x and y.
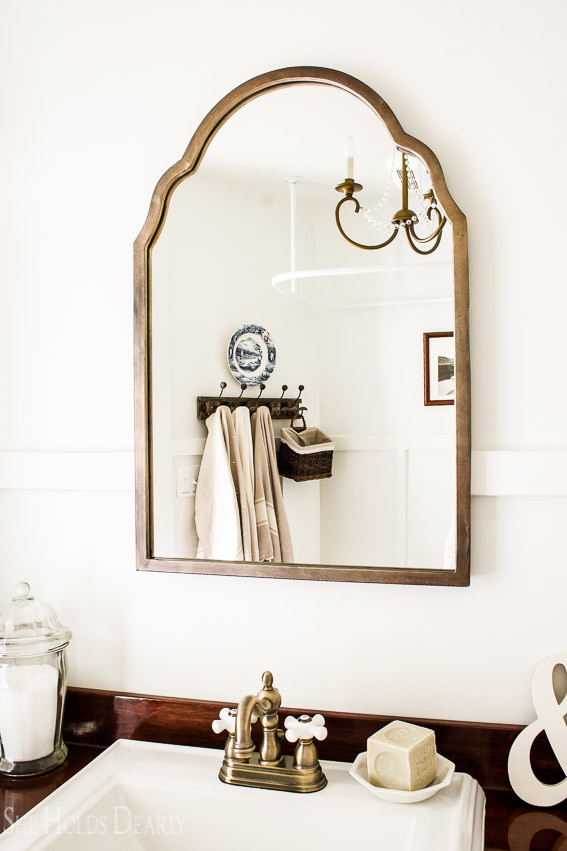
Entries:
{"x":445,"y":771}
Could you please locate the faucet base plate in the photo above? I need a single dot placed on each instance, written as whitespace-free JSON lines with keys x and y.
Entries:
{"x":283,"y":778}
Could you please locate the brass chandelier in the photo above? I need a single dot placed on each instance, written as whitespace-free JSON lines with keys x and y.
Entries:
{"x":405,"y":219}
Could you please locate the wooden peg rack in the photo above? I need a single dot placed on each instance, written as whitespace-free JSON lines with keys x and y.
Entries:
{"x":280,"y":408}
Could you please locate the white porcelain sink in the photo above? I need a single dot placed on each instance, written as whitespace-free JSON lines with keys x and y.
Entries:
{"x":141,"y":795}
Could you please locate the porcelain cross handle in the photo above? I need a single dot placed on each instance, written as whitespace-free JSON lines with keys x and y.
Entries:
{"x":305,"y":727}
{"x":225,"y":721}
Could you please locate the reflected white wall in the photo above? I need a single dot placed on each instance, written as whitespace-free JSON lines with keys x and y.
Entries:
{"x":226,"y":236}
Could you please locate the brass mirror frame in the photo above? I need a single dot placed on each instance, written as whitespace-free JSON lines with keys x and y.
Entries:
{"x":188,"y":165}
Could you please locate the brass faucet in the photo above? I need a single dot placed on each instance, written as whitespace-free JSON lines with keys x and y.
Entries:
{"x":268,"y":768}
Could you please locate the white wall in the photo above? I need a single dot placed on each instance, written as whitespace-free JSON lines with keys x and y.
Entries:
{"x":98,"y":100}
{"x":395,"y":461}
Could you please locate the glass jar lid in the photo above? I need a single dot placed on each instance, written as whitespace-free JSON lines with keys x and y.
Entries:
{"x":29,"y":627}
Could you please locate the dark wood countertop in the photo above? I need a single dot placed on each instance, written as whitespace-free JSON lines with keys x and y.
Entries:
{"x":19,"y":795}
{"x":512,"y":825}
{"x":93,"y":720}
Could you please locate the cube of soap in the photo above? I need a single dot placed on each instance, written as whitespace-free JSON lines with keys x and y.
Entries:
{"x":402,"y":756}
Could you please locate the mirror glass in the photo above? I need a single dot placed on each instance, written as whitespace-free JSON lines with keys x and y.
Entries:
{"x":261,"y":207}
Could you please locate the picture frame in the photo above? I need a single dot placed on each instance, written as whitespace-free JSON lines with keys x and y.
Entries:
{"x":439,"y":368}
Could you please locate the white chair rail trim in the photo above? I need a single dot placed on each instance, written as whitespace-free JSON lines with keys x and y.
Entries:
{"x":494,"y":473}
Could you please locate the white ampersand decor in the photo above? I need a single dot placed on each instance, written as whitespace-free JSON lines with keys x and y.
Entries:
{"x":550,"y":719}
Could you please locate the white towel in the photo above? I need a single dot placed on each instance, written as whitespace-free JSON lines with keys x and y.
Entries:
{"x":241,"y":418}
{"x":217,"y":517}
{"x":274,"y":537}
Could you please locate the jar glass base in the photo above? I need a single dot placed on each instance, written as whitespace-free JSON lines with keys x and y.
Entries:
{"x":34,"y":766}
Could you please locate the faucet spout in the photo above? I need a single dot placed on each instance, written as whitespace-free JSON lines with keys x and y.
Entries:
{"x":248,"y":706}
{"x":264,"y":705}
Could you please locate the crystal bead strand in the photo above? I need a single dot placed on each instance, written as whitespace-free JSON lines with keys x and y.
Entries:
{"x":370,"y":213}
{"x":415,"y":186}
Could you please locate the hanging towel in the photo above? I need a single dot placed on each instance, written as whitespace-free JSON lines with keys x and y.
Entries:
{"x":246,"y":513}
{"x":274,"y":537}
{"x":241,"y":419}
{"x":217,"y":517}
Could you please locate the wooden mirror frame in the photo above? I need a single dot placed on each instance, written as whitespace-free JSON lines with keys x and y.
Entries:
{"x":188,"y":165}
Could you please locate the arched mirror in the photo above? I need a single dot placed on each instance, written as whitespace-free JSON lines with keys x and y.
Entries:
{"x":253,"y":270}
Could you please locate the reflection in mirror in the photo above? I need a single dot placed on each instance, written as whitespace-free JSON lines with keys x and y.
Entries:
{"x":251,"y":239}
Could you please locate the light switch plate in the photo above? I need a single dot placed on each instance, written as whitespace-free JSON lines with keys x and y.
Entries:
{"x":187,"y":475}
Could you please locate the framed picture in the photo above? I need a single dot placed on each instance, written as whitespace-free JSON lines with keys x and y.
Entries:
{"x":439,"y":368}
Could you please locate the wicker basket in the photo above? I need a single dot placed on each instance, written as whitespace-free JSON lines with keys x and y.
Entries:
{"x":305,"y":455}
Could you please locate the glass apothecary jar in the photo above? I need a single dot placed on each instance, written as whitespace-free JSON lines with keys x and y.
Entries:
{"x":33,"y":674}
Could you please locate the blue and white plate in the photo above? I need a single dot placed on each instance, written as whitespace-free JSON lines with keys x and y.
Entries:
{"x":251,"y":355}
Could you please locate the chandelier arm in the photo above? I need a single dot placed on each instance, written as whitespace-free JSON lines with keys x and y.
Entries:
{"x":410,"y":233}
{"x":352,"y":241}
{"x":441,"y":222}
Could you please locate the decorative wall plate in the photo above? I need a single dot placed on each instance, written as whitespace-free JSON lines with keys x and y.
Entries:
{"x":251,"y":355}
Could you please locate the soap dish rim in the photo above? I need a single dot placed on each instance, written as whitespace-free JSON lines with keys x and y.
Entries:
{"x":445,"y":771}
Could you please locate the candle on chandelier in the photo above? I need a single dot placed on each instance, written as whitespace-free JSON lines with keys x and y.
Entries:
{"x":349,"y":154}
